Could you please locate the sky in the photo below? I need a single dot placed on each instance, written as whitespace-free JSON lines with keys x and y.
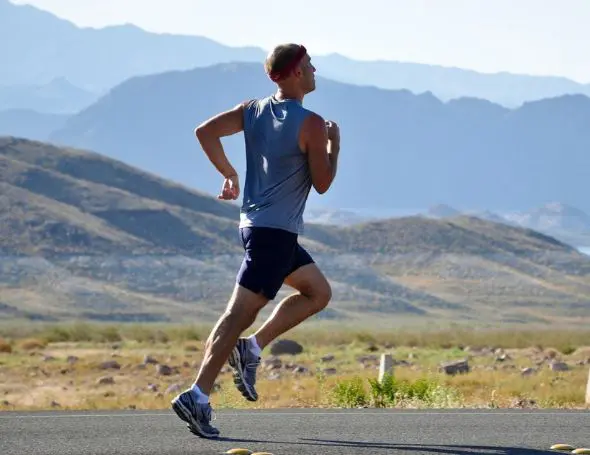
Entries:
{"x":541,"y":37}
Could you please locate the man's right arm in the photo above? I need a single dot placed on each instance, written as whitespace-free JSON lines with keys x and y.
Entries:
{"x":322,"y":153}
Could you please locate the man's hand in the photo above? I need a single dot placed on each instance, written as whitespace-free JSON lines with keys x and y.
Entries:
{"x":333,"y":131}
{"x":231,"y":188}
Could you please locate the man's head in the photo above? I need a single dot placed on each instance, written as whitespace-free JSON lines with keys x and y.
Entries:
{"x":290,"y":67}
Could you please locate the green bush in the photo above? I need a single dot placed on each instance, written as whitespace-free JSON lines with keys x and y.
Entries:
{"x":393,"y":392}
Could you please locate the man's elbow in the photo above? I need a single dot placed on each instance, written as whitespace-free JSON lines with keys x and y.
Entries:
{"x":322,"y":187}
{"x":200,"y":132}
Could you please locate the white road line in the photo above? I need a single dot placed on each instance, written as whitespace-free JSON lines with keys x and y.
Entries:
{"x":410,"y":413}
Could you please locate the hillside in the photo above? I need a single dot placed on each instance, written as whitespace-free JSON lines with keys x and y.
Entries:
{"x":468,"y":153}
{"x":97,"y":59}
{"x":84,"y":236}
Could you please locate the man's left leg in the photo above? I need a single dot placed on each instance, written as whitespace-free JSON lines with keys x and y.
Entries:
{"x":314,"y":294}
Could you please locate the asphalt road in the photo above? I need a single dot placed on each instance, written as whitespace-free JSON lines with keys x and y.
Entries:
{"x":301,"y":432}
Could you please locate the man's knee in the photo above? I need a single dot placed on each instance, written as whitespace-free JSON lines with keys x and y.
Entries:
{"x":322,"y":294}
{"x":312,"y":283}
{"x":244,"y":306}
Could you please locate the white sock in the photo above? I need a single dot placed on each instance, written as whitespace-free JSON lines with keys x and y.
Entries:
{"x":254,"y":348}
{"x":201,"y":397}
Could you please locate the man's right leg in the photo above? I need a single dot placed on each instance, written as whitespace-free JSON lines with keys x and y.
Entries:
{"x":193,"y":406}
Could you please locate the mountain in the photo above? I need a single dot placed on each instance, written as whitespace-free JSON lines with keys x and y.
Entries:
{"x":87,"y":237}
{"x":56,"y":97}
{"x":41,"y":47}
{"x":446,"y":83}
{"x":469,"y":153}
{"x":30,"y":124}
{"x":563,"y":221}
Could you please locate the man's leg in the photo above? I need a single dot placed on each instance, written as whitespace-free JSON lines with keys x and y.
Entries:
{"x":239,"y":315}
{"x":314,"y":294}
{"x":193,"y":406}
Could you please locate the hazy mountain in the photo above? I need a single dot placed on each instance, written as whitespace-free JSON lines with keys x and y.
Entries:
{"x":56,"y":97}
{"x":41,"y":47}
{"x":30,"y":124}
{"x":563,"y":221}
{"x":86,"y":237}
{"x":469,"y":153}
{"x":448,"y":83}
{"x":442,"y":211}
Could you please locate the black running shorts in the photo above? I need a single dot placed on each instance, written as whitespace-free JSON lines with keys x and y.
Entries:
{"x":270,"y":255}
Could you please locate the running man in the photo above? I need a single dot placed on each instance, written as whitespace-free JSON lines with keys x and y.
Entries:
{"x":289,"y":149}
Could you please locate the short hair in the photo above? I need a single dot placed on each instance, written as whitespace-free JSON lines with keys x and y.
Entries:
{"x":281,"y":59}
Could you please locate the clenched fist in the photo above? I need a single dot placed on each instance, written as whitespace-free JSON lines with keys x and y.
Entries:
{"x":333,"y":131}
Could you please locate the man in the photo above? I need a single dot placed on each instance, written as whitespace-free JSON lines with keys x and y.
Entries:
{"x":289,"y":149}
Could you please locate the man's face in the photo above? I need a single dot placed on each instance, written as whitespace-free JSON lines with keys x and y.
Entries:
{"x":307,"y":74}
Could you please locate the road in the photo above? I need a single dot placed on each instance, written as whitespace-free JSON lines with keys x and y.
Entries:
{"x":296,"y":431}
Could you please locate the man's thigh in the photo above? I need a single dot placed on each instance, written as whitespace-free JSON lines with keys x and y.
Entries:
{"x":306,"y":277}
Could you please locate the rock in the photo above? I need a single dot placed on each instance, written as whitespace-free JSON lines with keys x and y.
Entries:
{"x":367,"y":359}
{"x":72,"y":359}
{"x":329,"y":371}
{"x":174,"y":388}
{"x":327,"y":358}
{"x":272,"y":363}
{"x":300,"y":370}
{"x":48,"y":358}
{"x":164,"y":370}
{"x":148,"y":359}
{"x":153,"y":387}
{"x":559,"y":366}
{"x":527,"y":371}
{"x":522,"y":403}
{"x":55,"y":404}
{"x":105,"y":380}
{"x":110,"y":365}
{"x":455,"y":367}
{"x":274,"y":376}
{"x":291,"y":347}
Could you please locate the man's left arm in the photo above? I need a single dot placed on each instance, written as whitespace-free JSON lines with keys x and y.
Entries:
{"x":210,"y":132}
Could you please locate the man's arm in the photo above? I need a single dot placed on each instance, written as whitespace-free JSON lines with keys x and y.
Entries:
{"x":322,"y":152}
{"x":210,"y":132}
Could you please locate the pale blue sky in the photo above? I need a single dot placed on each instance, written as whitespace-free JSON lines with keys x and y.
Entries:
{"x":522,"y":36}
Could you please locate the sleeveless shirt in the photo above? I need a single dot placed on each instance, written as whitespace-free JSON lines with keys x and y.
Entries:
{"x":278,"y":180}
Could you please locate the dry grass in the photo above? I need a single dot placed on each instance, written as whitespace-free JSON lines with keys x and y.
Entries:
{"x":49,"y":368}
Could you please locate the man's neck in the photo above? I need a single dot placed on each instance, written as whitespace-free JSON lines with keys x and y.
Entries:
{"x":283,"y":94}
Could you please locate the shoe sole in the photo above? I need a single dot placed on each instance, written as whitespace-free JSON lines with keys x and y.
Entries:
{"x":235,"y":361}
{"x":184,"y":414}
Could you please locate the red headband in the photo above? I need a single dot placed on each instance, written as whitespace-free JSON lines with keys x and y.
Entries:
{"x":276,"y":76}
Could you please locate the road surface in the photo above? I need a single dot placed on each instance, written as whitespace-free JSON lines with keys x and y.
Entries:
{"x":297,"y":432}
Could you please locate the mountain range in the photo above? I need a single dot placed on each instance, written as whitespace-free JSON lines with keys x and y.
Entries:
{"x":470,"y":153}
{"x":42,"y":47}
{"x":83,"y":236}
{"x":566,"y":223}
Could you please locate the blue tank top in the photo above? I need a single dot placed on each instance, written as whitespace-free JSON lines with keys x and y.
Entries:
{"x":278,"y":180}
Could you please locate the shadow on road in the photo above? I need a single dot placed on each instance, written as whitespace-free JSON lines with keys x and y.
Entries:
{"x":422,"y":448}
